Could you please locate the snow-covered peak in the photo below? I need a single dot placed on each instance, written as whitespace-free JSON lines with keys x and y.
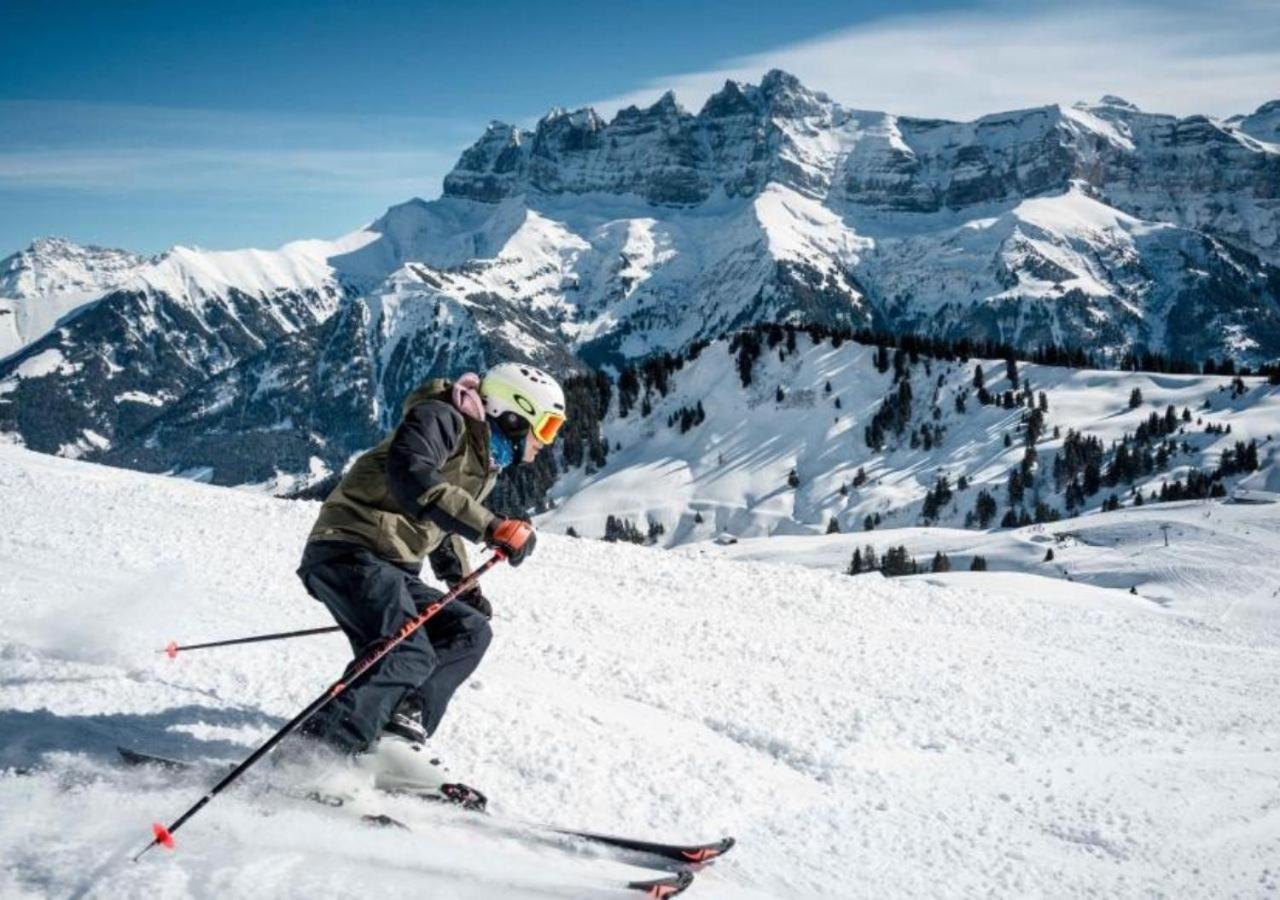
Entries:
{"x":51,"y":279}
{"x":1263,"y":124}
{"x":1115,"y":102}
{"x":788,"y":98}
{"x":55,"y":265}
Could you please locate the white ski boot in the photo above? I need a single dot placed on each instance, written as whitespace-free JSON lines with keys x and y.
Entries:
{"x":401,"y":764}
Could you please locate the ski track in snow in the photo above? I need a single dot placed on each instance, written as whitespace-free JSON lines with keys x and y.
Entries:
{"x":949,"y":735}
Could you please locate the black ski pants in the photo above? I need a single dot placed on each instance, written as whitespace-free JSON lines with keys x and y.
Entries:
{"x":371,"y":597}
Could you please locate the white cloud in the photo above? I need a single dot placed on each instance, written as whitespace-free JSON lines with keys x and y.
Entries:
{"x":1213,"y":58}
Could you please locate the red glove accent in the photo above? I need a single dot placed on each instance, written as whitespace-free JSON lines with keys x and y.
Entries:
{"x":514,"y":537}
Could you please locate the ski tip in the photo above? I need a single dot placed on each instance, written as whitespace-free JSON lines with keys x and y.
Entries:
{"x":171,"y":650}
{"x":662,"y":888}
{"x":163,"y":837}
{"x":710,"y":851}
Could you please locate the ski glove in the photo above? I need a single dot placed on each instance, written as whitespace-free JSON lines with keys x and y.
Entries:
{"x":514,"y":537}
{"x":477,"y":601}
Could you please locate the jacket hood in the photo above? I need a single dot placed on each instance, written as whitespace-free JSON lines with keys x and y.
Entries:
{"x":463,"y":394}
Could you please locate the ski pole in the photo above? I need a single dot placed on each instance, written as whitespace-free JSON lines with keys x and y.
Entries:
{"x":163,"y":836}
{"x":173,"y":647}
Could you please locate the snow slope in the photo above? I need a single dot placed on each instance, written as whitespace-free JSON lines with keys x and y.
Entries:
{"x":732,"y":469}
{"x":943,"y":736}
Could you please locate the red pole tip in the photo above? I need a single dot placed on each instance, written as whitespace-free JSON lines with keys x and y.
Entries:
{"x":172,"y":649}
{"x":163,"y":837}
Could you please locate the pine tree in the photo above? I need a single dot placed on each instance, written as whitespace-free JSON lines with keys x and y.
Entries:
{"x":617,"y":529}
{"x":882,"y":358}
{"x":855,"y":564}
{"x":656,"y":530}
{"x":898,"y":562}
{"x":833,"y":526}
{"x":940,"y":563}
{"x":1048,"y":555}
{"x":1135,"y":398}
{"x":1016,"y":487}
{"x":985,"y":508}
{"x":979,"y":564}
{"x":869,"y":561}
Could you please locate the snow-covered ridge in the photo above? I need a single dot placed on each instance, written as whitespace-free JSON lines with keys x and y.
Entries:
{"x":54,"y":277}
{"x":936,"y":724}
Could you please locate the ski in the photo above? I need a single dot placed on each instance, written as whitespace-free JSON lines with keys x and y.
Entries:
{"x":681,"y":853}
{"x":135,"y":758}
{"x":667,"y":886}
{"x":661,"y":887}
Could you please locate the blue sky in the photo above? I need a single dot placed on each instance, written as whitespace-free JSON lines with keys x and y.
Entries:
{"x":142,"y":125}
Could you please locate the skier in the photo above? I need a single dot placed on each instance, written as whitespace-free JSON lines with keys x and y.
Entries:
{"x":415,"y":496}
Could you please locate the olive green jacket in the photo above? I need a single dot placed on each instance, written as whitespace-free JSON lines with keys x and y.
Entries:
{"x":425,"y":483}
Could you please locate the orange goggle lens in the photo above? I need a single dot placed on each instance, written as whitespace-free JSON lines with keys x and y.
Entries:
{"x":548,"y":427}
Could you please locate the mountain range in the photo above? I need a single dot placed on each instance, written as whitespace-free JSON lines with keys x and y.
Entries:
{"x":585,"y":242}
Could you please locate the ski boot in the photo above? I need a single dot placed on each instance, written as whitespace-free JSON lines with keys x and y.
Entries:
{"x":401,"y":764}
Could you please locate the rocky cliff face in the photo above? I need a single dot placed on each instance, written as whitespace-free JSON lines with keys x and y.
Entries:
{"x":741,"y":140}
{"x":1196,"y":172}
{"x":585,"y":240}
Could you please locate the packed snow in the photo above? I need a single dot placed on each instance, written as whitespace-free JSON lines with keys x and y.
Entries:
{"x":944,"y":735}
{"x":1212,"y":560}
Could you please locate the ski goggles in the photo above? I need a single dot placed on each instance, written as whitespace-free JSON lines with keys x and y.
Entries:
{"x":547,"y":427}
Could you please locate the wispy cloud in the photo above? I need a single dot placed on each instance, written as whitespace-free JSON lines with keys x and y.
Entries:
{"x":1215,"y":58}
{"x":110,"y":148}
{"x":188,"y":169}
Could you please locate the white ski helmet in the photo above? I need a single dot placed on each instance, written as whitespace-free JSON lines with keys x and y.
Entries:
{"x":523,"y":398}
